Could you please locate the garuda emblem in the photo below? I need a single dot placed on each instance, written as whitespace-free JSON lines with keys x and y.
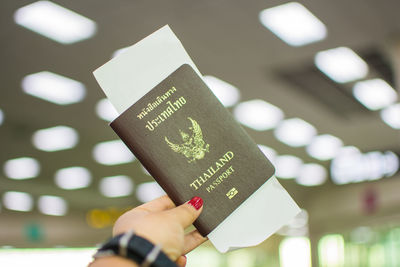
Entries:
{"x":193,"y":146}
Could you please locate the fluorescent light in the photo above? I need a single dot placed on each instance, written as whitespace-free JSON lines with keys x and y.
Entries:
{"x":55,"y":22}
{"x":293,"y":23}
{"x":60,"y":257}
{"x":268,"y":152}
{"x":391,"y":116}
{"x":1,"y":117}
{"x":346,"y":167}
{"x":324,"y":147}
{"x":295,"y":132}
{"x":362,"y":235}
{"x":53,"y":88}
{"x":331,"y":249}
{"x":287,"y":166}
{"x":374,"y":94}
{"x":105,"y":110}
{"x":22,"y":168}
{"x":73,"y":178}
{"x":373,"y":163}
{"x":258,"y":114}
{"x":116,"y":186}
{"x":312,"y":174}
{"x":348,"y":150}
{"x":18,"y":201}
{"x":55,"y":138}
{"x":391,"y":163}
{"x":353,"y":167}
{"x":295,"y":252}
{"x":112,"y":153}
{"x":146,"y":192}
{"x":228,"y":94}
{"x":52,"y":205}
{"x":341,"y":64}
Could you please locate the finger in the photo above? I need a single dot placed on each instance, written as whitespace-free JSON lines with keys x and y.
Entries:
{"x":188,"y":212}
{"x":158,"y":204}
{"x":181,"y":261}
{"x":192,"y":241}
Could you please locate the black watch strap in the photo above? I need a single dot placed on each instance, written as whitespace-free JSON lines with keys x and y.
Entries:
{"x":137,"y":249}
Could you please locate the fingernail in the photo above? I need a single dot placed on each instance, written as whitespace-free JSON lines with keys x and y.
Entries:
{"x":196,"y":202}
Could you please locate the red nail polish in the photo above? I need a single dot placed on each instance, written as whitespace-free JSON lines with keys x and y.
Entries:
{"x":185,"y":260}
{"x":196,"y":202}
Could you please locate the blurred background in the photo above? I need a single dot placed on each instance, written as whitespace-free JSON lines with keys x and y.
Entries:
{"x":315,"y":83}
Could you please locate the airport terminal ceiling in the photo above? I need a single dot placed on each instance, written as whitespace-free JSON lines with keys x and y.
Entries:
{"x":226,"y":40}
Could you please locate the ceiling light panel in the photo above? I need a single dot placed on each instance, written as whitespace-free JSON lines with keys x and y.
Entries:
{"x":391,"y":116}
{"x":258,"y":114}
{"x":287,"y":166}
{"x":1,"y":117}
{"x":73,"y":178}
{"x":18,"y":201}
{"x":227,"y":94}
{"x":354,"y":167}
{"x":105,"y":110}
{"x":146,"y":192}
{"x":296,"y":250}
{"x":293,"y":23}
{"x":53,"y":88}
{"x":295,"y":132}
{"x":116,"y":186}
{"x":348,"y":150}
{"x":22,"y":168}
{"x":312,"y":174}
{"x":374,"y":94}
{"x":62,"y":256}
{"x":390,"y":162}
{"x":341,"y":64}
{"x":52,"y":205}
{"x":55,"y":138}
{"x":112,"y":153}
{"x":55,"y":22}
{"x":324,"y":147}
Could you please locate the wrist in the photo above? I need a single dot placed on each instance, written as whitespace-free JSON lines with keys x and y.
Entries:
{"x":113,"y":261}
{"x":136,"y":249}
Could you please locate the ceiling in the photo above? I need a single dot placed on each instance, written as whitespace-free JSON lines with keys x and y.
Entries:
{"x":225,"y":39}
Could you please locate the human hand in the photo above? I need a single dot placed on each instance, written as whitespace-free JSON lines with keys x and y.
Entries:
{"x":162,"y":223}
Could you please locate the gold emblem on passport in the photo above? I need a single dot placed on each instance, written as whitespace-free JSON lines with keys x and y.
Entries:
{"x":232,"y":193}
{"x":193,"y":147}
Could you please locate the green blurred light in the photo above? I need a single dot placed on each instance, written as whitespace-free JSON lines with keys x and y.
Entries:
{"x":34,"y":232}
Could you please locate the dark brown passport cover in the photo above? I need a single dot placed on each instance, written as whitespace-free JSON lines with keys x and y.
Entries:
{"x":192,"y":146}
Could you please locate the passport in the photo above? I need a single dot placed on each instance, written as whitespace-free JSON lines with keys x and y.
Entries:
{"x":191,"y":144}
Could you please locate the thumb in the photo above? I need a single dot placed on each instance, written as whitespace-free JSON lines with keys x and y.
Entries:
{"x":188,"y":212}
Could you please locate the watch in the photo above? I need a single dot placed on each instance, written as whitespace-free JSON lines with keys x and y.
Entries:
{"x":135,"y":248}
